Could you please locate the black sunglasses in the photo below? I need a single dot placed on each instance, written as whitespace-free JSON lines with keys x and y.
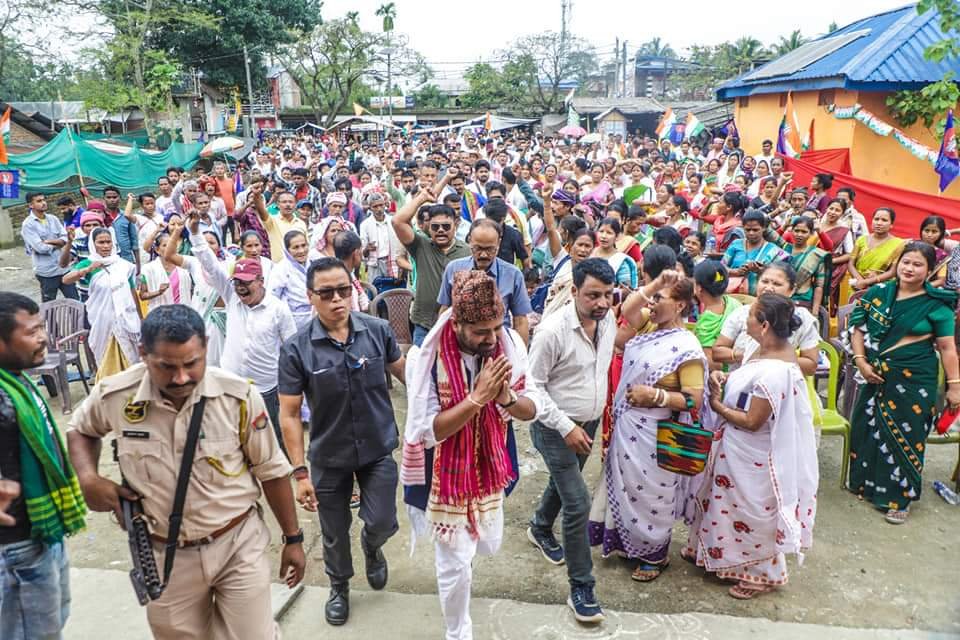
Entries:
{"x":441,"y":226}
{"x":343,"y":292}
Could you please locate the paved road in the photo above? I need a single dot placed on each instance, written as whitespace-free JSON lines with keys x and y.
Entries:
{"x":418,"y":616}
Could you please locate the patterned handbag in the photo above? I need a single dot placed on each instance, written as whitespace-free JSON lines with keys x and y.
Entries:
{"x":683,"y":448}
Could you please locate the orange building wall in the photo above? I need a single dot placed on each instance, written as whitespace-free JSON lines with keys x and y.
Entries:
{"x":873,"y":157}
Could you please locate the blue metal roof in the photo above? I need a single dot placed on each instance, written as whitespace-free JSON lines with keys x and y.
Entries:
{"x":888,"y":58}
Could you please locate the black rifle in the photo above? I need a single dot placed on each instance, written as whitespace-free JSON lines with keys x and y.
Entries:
{"x":145,"y":577}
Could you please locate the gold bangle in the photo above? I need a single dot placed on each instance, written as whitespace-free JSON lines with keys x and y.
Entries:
{"x":857,"y":355}
{"x":474,"y":402}
{"x":954,"y":381}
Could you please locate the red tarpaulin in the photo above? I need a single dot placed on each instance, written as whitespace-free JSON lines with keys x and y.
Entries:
{"x":911,"y":206}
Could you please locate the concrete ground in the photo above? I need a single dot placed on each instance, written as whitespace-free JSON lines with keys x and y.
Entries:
{"x":861,"y":574}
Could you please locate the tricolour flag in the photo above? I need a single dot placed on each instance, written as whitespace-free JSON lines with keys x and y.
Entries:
{"x":807,"y":143}
{"x":238,"y":114}
{"x":948,"y":162}
{"x":488,"y":122}
{"x":4,"y":136}
{"x":666,"y":124}
{"x":792,"y":132}
{"x":693,"y":126}
{"x":784,"y":146}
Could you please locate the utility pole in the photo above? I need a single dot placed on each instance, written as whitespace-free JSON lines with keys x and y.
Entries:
{"x":389,"y":81}
{"x":625,"y":69}
{"x":616,"y":74}
{"x":248,"y":128}
{"x":565,"y":6}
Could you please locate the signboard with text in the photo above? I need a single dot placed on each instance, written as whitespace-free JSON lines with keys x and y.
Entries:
{"x":9,"y":184}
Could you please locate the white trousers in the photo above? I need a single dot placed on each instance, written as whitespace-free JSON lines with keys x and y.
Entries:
{"x":455,"y":575}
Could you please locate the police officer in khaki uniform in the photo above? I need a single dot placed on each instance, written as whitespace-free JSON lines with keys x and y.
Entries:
{"x":220,"y":584}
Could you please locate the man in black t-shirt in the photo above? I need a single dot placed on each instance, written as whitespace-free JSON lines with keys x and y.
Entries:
{"x":511,"y":244}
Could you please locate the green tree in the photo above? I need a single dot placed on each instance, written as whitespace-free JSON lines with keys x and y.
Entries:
{"x":541,"y":63}
{"x":654,"y":47}
{"x":389,"y":13}
{"x":217,"y":49}
{"x":331,"y":62}
{"x":429,"y":96}
{"x":930,"y":103}
{"x":133,"y":66}
{"x":794,"y":41}
{"x":833,"y":26}
{"x":486,"y":87}
{"x":744,"y":53}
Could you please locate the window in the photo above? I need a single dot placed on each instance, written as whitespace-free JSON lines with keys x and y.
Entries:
{"x":827,"y":96}
{"x":743,"y":101}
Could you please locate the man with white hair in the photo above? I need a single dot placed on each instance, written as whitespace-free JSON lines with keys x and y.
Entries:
{"x":379,"y":242}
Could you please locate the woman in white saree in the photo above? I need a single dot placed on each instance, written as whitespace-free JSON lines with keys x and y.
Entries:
{"x":757,"y":501}
{"x":113,"y":310}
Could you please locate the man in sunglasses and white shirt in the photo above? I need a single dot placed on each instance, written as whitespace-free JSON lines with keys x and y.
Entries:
{"x":258,"y":323}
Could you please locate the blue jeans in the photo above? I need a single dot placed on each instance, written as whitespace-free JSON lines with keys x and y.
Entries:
{"x":35,"y":595}
{"x":568,"y":492}
{"x":419,"y":333}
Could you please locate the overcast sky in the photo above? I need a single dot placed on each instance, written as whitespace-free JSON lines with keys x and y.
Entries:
{"x":463,"y":32}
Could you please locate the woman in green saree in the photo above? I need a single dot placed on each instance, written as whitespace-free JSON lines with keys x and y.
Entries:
{"x":811,"y":266}
{"x":710,"y":283}
{"x":874,"y":258}
{"x":895,"y":331}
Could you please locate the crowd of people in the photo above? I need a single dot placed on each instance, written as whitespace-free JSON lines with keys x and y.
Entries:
{"x":663,"y":305}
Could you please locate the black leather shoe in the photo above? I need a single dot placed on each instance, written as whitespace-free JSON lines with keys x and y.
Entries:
{"x":376,"y":569}
{"x":337,"y":609}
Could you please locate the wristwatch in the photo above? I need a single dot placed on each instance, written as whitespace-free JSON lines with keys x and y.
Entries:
{"x":513,"y":400}
{"x":294,"y":539}
{"x":301,"y":473}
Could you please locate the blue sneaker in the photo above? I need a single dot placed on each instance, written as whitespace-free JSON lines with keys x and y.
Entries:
{"x":584,"y":604}
{"x":547,"y":544}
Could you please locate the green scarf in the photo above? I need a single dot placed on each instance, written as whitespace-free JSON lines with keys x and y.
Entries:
{"x":54,"y":501}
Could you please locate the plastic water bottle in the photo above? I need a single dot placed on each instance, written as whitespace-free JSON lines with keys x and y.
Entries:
{"x":945,"y":492}
{"x":711,"y":245}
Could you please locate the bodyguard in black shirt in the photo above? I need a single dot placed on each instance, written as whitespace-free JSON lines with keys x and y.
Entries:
{"x":339,"y":362}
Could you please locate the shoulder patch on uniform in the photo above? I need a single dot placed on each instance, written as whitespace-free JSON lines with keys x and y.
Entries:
{"x":260,"y":422}
{"x":135,"y":412}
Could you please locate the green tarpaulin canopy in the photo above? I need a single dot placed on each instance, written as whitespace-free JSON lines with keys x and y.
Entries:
{"x":59,"y":160}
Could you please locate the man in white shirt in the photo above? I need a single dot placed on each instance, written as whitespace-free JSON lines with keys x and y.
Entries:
{"x":569,"y":360}
{"x":481,"y":174}
{"x":767,"y":155}
{"x":380,"y":243}
{"x":257,"y":322}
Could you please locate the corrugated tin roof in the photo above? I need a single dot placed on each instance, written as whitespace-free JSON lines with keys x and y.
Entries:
{"x":711,"y":113}
{"x":888,"y":58}
{"x":629,"y":106}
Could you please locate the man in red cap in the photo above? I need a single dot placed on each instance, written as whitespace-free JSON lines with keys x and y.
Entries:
{"x":257,"y":322}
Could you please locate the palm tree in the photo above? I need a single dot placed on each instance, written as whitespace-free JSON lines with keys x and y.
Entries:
{"x":653,"y":47}
{"x":745,"y":52}
{"x":788,"y":44}
{"x":388,"y":12}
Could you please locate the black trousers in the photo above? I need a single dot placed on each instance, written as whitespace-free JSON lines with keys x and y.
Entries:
{"x":50,"y":285}
{"x":378,"y":510}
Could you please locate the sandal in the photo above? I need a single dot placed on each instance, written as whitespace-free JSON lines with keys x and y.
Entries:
{"x":646,"y":572}
{"x":690,"y":557}
{"x":896,"y":517}
{"x":746,"y":591}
